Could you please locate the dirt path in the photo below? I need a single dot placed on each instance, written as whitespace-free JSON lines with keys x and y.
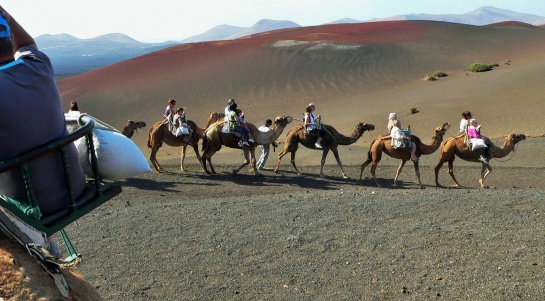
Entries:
{"x":192,"y":236}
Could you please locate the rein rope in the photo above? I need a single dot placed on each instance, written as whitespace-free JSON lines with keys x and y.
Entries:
{"x":512,"y":155}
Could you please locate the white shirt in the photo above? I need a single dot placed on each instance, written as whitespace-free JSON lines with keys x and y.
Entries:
{"x":227,"y":111}
{"x":396,"y":133}
{"x":463,"y":125}
{"x":264,"y":128}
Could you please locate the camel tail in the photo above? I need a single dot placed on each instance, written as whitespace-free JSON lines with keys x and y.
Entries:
{"x":204,"y":142}
{"x":369,"y":154}
{"x":148,"y":142}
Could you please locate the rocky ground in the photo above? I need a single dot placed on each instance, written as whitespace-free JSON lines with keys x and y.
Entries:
{"x":192,"y":236}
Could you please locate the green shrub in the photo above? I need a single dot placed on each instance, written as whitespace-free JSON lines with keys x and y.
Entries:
{"x":479,"y":67}
{"x":413,"y":110}
{"x":430,"y":77}
{"x":508,"y":62}
{"x":439,"y":74}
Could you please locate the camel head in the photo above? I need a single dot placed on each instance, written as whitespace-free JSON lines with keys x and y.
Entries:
{"x":136,"y":124}
{"x":441,"y":130}
{"x":362,"y":126}
{"x":516,"y":138}
{"x":282,"y":121}
{"x":216,"y":116}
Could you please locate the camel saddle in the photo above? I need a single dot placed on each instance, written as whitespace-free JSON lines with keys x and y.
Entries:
{"x":403,"y":143}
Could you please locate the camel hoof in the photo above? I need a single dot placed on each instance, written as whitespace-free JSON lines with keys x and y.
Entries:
{"x":346,"y":177}
{"x":235,"y":172}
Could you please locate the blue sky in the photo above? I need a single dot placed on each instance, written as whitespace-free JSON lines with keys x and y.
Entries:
{"x":162,"y":20}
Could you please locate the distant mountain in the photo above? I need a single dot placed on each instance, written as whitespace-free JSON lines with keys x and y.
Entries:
{"x":221,"y":32}
{"x":70,"y":55}
{"x":263,"y":26}
{"x":481,"y":16}
{"x":226,"y":32}
{"x":345,"y":21}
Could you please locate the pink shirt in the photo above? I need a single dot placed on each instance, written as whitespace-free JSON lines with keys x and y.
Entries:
{"x":472,"y":132}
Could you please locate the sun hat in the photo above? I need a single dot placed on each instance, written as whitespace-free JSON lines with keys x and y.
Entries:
{"x":6,"y":33}
{"x":311,"y":105}
{"x":231,"y":101}
{"x":392,"y":115}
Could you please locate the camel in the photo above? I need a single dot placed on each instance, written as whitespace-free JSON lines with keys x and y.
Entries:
{"x":214,"y":139}
{"x":132,"y":127}
{"x":456,"y":146}
{"x":159,"y":133}
{"x":331,"y":141}
{"x":384,"y":144}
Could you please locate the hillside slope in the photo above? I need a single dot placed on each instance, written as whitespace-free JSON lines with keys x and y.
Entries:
{"x":352,"y":71}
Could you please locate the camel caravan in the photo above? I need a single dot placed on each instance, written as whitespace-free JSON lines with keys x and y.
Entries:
{"x":312,"y":134}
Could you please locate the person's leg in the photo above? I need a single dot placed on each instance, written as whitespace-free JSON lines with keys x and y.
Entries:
{"x":319,"y":141}
{"x":262,"y":158}
{"x":413,"y":152}
{"x":484,"y":156}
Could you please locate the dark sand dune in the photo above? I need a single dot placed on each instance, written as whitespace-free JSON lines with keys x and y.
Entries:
{"x":352,"y":71}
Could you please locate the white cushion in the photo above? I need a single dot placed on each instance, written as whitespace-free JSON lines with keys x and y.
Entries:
{"x":117,"y":156}
{"x":477,"y":143}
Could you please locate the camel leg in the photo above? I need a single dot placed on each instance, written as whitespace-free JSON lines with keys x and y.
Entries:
{"x":182,"y":166}
{"x":293,"y":162}
{"x":246,"y":162}
{"x":253,"y":162}
{"x":203,"y":163}
{"x":324,"y":156}
{"x":451,"y":171}
{"x":437,"y":168}
{"x":417,"y":171}
{"x":338,"y":158}
{"x":363,"y":166}
{"x":399,"y":168}
{"x":196,"y":149}
{"x":154,"y":161}
{"x":485,"y":171}
{"x":280,"y":155}
{"x":211,"y":166}
{"x":373,"y":169}
{"x":207,"y":156}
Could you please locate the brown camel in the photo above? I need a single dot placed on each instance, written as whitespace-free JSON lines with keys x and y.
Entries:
{"x":456,"y":146}
{"x":215,"y":138}
{"x":159,"y":133}
{"x":384,"y":144}
{"x":331,"y":141}
{"x":132,"y":127}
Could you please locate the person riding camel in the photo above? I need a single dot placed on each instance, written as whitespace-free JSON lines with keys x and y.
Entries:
{"x":180,"y":125}
{"x":234,"y":125}
{"x":169,"y":114}
{"x":312,"y":123}
{"x":476,"y":140}
{"x":399,"y":139}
